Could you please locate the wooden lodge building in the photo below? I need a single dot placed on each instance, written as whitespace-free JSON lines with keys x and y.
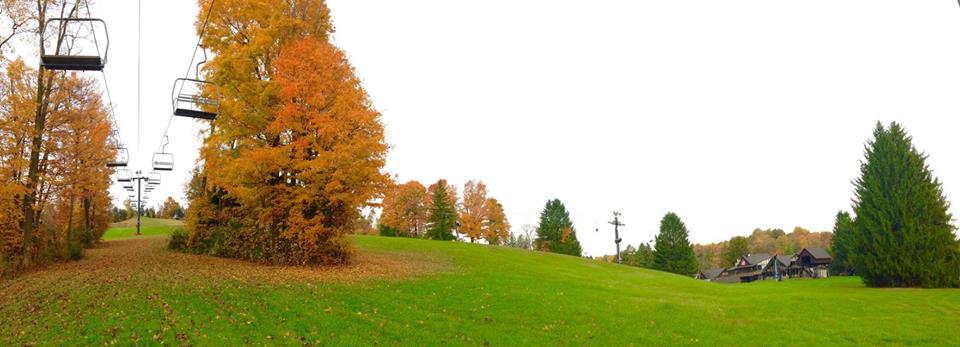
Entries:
{"x":812,"y":263}
{"x":809,"y":263}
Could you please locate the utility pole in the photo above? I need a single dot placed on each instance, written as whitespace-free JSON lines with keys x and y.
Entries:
{"x":616,"y":232}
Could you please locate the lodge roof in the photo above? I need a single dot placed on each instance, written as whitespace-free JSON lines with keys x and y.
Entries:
{"x":787,"y":259}
{"x":711,"y":273}
{"x":754,"y":259}
{"x":818,"y":253}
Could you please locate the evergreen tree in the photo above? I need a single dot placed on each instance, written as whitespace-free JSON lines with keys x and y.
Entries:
{"x":736,"y":247}
{"x":443,"y":214}
{"x":644,"y":256}
{"x":902,"y":236}
{"x":841,"y":244}
{"x":555,"y":232}
{"x":641,"y":256}
{"x":673,"y":252}
{"x":628,"y":256}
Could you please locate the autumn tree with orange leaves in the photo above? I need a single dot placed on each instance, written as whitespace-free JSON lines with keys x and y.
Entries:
{"x":54,"y":197}
{"x":404,"y":210}
{"x":297,"y":150}
{"x":170,"y":208}
{"x":482,"y":217}
{"x":496,"y":228}
{"x":473,"y":210}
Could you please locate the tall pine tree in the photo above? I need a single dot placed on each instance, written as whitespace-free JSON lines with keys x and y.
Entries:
{"x":902,"y":235}
{"x":840,"y":244}
{"x":443,"y":214}
{"x":674,"y":253}
{"x":555,"y":232}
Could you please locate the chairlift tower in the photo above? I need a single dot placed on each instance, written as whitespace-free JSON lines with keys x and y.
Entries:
{"x":616,"y":232}
{"x":140,"y":178}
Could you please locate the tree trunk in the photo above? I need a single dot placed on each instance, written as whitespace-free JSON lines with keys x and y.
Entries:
{"x":86,"y":217}
{"x":29,"y":224}
{"x":33,"y":174}
{"x":70,"y":220}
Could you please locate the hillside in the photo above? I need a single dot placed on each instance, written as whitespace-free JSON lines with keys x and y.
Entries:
{"x":148,"y":227}
{"x":405,"y":291}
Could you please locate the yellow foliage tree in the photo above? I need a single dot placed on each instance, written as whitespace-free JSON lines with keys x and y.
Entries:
{"x":496,"y":228}
{"x":169,"y":208}
{"x":405,"y":209}
{"x":297,"y":150}
{"x":53,"y":187}
{"x":473,"y":210}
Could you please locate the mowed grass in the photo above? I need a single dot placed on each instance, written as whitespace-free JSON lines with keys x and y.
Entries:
{"x":148,"y":227}
{"x":132,"y":291}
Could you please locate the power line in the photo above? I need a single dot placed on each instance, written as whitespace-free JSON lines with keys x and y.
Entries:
{"x":139,"y":44}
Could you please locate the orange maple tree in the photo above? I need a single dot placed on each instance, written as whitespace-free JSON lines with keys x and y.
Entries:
{"x":496,"y":228}
{"x":297,"y":150}
{"x":473,"y":210}
{"x":404,"y":209}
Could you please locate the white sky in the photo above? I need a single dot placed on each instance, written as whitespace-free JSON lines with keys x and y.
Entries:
{"x":733,"y":114}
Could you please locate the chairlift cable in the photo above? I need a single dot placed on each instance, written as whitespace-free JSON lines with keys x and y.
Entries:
{"x":113,"y":113}
{"x":139,"y":45}
{"x":203,"y":30}
{"x":106,"y":86}
{"x":93,"y":30}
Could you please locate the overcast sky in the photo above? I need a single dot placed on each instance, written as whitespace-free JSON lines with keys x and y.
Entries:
{"x":733,"y":114}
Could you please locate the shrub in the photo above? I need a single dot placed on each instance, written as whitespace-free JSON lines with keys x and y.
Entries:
{"x":387,"y":231}
{"x":74,"y":250}
{"x":178,"y":240}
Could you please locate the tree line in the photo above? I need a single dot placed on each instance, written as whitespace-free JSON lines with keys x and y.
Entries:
{"x":55,"y":143}
{"x":436,"y":212}
{"x":673,"y":252}
{"x":169,"y":209}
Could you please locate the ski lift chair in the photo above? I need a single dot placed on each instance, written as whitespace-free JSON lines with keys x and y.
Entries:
{"x":190,"y":100}
{"x":123,"y":157}
{"x":163,"y":161}
{"x":124,"y":175}
{"x":153,"y":178}
{"x":84,"y":38}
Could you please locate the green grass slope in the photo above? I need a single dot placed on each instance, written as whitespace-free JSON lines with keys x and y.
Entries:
{"x":469,"y":295}
{"x":148,"y":227}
